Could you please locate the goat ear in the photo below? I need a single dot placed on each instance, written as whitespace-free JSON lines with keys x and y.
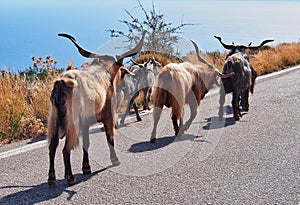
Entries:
{"x":68,"y":82}
{"x":70,"y":65}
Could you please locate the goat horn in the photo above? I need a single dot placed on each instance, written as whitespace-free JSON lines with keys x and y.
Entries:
{"x":226,"y":46}
{"x":199,"y":56}
{"x":134,"y":62}
{"x":148,"y":61}
{"x":84,"y":52}
{"x":135,"y":50}
{"x":221,"y":75}
{"x":263,"y":43}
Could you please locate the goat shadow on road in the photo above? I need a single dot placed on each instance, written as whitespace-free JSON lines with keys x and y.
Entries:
{"x":216,"y":123}
{"x":160,"y":142}
{"x":148,"y":146}
{"x":42,"y":192}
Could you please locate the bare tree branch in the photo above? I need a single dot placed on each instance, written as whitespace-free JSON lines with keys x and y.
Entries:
{"x":162,"y":35}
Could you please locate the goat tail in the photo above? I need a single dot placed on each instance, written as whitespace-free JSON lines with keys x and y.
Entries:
{"x":160,"y":91}
{"x":169,"y":89}
{"x":52,"y":131}
{"x":61,"y":121}
{"x":253,"y":78}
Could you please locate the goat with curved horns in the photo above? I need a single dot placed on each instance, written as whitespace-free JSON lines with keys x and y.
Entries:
{"x":80,"y":98}
{"x":242,"y":82}
{"x":130,"y":87}
{"x":180,"y":84}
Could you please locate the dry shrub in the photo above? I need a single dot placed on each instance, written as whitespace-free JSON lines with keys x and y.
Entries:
{"x":280,"y":57}
{"x":39,"y":98}
{"x":25,"y":106}
{"x":13,"y":106}
{"x":31,"y":126}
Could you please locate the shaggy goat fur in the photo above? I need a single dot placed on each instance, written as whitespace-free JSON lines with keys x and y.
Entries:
{"x":77,"y":95}
{"x":243,"y":81}
{"x":80,"y":98}
{"x":239,"y":84}
{"x":177,"y":85}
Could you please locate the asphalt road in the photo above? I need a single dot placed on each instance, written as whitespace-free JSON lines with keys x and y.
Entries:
{"x":253,"y":161}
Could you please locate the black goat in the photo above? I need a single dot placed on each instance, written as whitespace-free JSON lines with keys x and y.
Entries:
{"x":242,"y":82}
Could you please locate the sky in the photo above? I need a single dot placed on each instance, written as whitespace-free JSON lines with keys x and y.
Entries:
{"x":30,"y":28}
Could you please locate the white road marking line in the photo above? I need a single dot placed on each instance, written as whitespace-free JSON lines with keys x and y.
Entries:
{"x":43,"y":143}
{"x":23,"y":149}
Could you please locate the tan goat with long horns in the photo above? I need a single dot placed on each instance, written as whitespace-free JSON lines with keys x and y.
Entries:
{"x":80,"y":98}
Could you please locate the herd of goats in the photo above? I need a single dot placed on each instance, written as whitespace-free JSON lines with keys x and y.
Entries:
{"x":81,"y":97}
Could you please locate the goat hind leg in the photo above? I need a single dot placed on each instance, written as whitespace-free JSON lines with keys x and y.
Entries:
{"x":109,"y":131}
{"x":138,"y":117}
{"x":68,"y":170}
{"x":235,"y":105}
{"x":156,"y":116}
{"x":175,"y":124}
{"x":52,"y":151}
{"x":245,"y":98}
{"x":86,"y":169}
{"x":193,"y":108}
{"x":147,"y":95}
{"x":221,"y":101}
{"x":135,"y":107}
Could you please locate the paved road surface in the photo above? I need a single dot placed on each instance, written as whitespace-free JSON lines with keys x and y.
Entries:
{"x":253,"y":161}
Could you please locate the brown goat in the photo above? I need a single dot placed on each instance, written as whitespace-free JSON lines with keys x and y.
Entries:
{"x":180,"y":84}
{"x":80,"y":98}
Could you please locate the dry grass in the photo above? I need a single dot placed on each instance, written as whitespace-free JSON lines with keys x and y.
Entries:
{"x":25,"y":104}
{"x":24,"y":107}
{"x":273,"y":59}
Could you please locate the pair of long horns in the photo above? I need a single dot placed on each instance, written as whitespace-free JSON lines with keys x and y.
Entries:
{"x":200,"y":58}
{"x":140,"y":64}
{"x":118,"y":58}
{"x":232,"y":46}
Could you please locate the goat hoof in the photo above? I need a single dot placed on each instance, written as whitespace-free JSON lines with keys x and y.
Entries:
{"x":152,"y":140}
{"x":115,"y":161}
{"x":51,"y":182}
{"x":237,"y":118}
{"x":179,"y":133}
{"x":139,"y":119}
{"x":86,"y":171}
{"x":70,"y":180}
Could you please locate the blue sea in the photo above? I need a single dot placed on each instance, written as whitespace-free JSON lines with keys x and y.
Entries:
{"x":29,"y":28}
